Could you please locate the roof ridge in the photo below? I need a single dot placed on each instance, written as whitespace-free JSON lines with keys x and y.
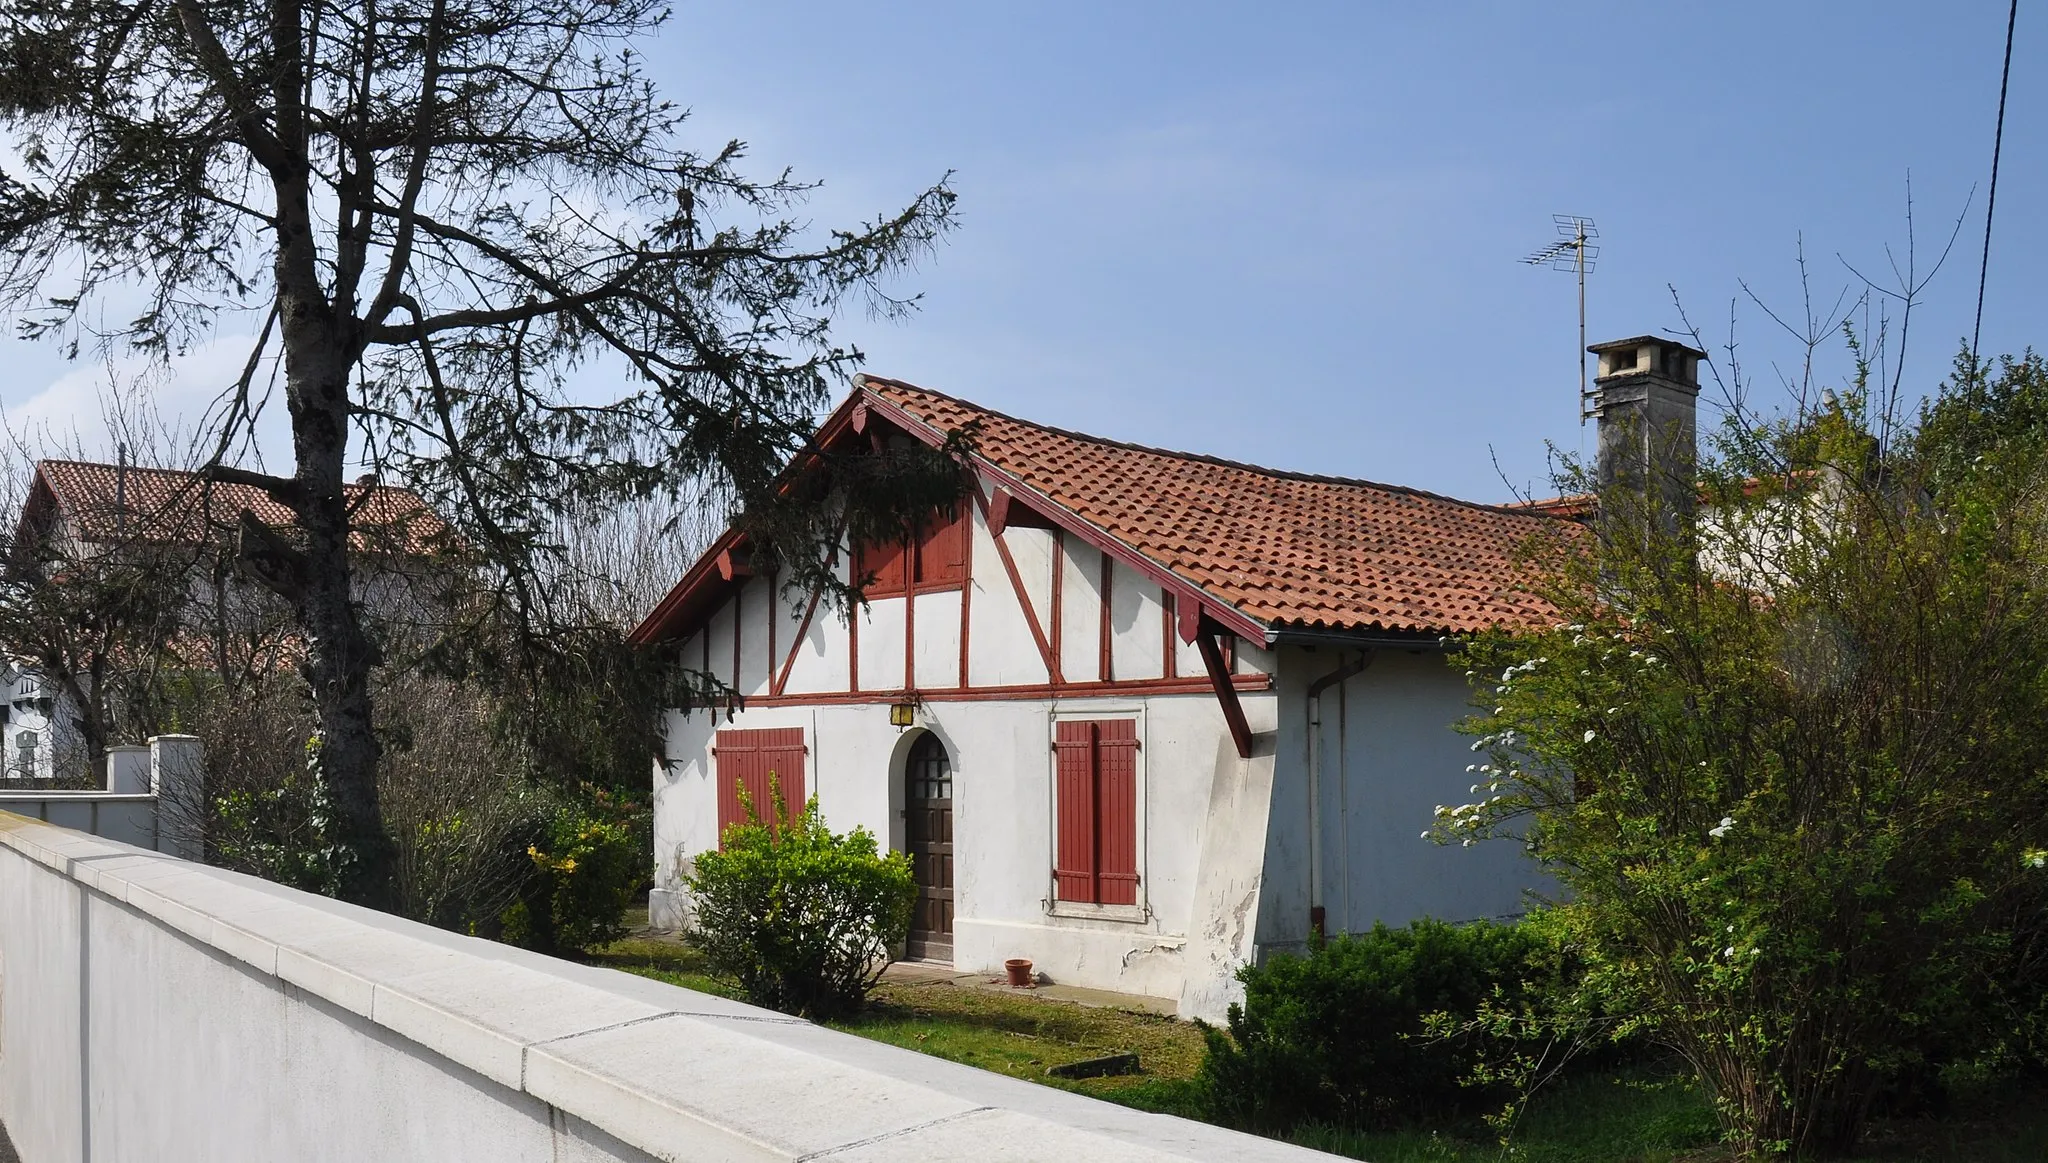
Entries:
{"x":131,"y":467}
{"x":1507,"y":509}
{"x":199,"y":475}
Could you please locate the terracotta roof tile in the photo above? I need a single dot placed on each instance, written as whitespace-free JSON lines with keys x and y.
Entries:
{"x":1286,"y":549}
{"x":110,"y":503}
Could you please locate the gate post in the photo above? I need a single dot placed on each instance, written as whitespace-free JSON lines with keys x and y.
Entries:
{"x":177,"y":776}
{"x":127,"y":770}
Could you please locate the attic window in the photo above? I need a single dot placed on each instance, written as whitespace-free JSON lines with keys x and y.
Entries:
{"x":933,"y":556}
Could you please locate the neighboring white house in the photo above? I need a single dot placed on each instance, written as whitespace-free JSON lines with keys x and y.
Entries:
{"x":1168,"y":712}
{"x":80,"y":513}
{"x":27,"y":750}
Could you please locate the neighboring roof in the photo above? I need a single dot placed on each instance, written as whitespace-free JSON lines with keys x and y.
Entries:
{"x":1575,"y":506}
{"x":1582,"y":506}
{"x":107,"y":503}
{"x":1280,"y":550}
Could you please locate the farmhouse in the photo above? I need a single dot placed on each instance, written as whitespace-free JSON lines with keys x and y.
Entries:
{"x":1139,"y":716}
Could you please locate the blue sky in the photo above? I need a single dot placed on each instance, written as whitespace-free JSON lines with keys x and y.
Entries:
{"x":1288,"y":233}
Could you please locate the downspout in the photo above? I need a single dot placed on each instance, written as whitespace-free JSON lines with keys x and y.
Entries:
{"x":1344,"y":671}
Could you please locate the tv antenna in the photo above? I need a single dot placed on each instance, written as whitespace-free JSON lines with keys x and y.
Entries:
{"x":1574,"y":251}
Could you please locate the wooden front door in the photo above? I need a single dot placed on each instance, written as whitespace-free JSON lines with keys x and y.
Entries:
{"x":928,"y":837}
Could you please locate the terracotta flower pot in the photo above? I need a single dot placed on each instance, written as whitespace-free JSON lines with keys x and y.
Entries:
{"x":1019,"y":969}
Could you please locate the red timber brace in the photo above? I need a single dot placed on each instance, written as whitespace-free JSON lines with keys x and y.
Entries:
{"x":1197,"y":627}
{"x":1202,"y":622}
{"x":780,"y":679}
{"x":996,"y":527}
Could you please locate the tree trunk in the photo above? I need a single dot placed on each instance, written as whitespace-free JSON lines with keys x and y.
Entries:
{"x":339,"y":654}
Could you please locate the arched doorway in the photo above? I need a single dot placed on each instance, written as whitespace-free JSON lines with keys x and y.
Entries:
{"x":928,"y":838}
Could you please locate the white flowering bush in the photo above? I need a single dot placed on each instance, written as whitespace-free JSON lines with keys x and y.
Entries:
{"x":1795,"y":797}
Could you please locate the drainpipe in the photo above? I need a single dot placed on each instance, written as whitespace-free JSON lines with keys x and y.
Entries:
{"x":1345,"y":670}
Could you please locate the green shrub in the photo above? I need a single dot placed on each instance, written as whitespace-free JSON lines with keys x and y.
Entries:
{"x":1785,"y":764}
{"x":802,"y":918}
{"x":281,"y":832}
{"x":1340,"y":1036}
{"x":588,"y":869}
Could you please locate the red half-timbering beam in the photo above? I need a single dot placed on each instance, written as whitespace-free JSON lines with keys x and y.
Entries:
{"x":910,"y":556}
{"x":966,"y":587}
{"x":1106,"y":669}
{"x":1167,"y":652}
{"x":1056,"y":617}
{"x":1226,"y":690}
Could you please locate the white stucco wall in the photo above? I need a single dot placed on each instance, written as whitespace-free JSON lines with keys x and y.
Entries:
{"x":1005,"y":653}
{"x":1081,"y":611}
{"x":1190,"y":855}
{"x":154,"y":1010}
{"x":1389,"y":754}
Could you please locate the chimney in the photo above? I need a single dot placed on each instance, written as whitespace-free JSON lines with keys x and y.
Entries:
{"x":1646,"y":396}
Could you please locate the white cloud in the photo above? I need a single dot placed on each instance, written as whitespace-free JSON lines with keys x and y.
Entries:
{"x":171,"y":407}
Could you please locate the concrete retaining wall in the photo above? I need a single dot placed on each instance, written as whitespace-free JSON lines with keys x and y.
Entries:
{"x":153,"y":1009}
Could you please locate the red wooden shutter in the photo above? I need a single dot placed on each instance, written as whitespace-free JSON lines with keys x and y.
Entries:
{"x":1116,"y":811}
{"x":1073,"y":871}
{"x":782,"y":756}
{"x":885,"y":561}
{"x":736,"y":755}
{"x":746,"y":759}
{"x":942,"y":548}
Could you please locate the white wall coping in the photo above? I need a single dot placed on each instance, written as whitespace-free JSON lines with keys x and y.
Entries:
{"x":21,"y":795}
{"x":679,"y":1074}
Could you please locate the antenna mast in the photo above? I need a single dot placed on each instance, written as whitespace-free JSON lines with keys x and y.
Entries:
{"x":1574,"y":252}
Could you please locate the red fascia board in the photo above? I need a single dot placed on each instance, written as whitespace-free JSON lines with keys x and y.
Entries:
{"x":1225,"y":615}
{"x":697,"y":585}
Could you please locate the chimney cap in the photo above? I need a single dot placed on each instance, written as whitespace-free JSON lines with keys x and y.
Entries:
{"x":1638,"y":341}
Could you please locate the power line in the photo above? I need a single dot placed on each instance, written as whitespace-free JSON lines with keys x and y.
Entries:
{"x":2012,"y":18}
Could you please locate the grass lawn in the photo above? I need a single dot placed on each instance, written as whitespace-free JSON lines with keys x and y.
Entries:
{"x":1639,"y":1116}
{"x":1629,"y":1116}
{"x":1016,"y":1035}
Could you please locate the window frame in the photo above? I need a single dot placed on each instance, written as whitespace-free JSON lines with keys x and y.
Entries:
{"x":910,"y":557}
{"x":1141,"y":909}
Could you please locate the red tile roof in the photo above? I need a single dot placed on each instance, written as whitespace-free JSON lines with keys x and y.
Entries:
{"x":108,"y":503}
{"x":1288,"y":550}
